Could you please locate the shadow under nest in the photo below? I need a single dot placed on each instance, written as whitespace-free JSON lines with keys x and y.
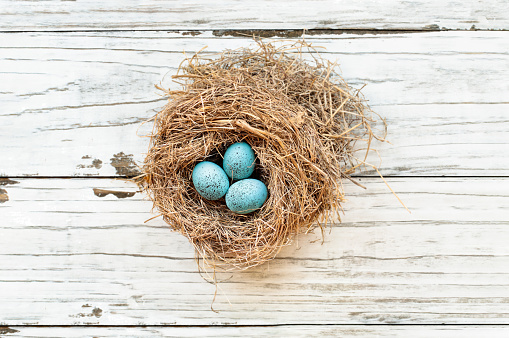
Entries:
{"x":303,"y":123}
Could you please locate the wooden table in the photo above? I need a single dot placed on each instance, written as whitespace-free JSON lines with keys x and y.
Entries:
{"x":77,"y":258}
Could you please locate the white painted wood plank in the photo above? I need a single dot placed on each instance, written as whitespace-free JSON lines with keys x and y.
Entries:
{"x":68,"y":256}
{"x":262,"y":14}
{"x":70,"y":102}
{"x":346,"y":331}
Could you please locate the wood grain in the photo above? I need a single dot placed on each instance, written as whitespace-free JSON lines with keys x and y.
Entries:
{"x":262,"y":14}
{"x":346,"y":331}
{"x":72,"y":103}
{"x":71,"y":257}
{"x":77,"y":80}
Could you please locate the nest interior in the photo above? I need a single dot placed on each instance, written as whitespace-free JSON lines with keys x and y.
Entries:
{"x":303,"y":122}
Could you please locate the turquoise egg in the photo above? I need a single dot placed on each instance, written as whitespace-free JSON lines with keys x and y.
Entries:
{"x":246,"y":196}
{"x":239,"y":161}
{"x":210,"y":180}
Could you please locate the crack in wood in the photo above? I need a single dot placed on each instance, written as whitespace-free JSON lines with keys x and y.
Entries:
{"x":7,"y":330}
{"x":119,"y":194}
{"x":297,"y":33}
{"x":7,"y":181}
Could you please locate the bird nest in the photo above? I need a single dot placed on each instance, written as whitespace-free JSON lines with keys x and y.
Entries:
{"x":304,"y":123}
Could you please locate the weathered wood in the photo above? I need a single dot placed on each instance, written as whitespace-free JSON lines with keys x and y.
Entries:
{"x":261,"y":14}
{"x":73,"y":102}
{"x":346,"y":331}
{"x":78,"y":251}
{"x":70,"y":256}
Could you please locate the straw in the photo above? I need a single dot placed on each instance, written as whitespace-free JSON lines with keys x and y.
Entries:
{"x":301,"y":119}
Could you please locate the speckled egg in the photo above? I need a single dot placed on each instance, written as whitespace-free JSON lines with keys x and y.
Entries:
{"x":210,"y":180}
{"x":246,"y":196}
{"x":239,"y":161}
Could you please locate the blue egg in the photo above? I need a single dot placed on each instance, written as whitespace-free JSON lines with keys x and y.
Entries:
{"x":246,"y":196}
{"x":239,"y":161}
{"x":210,"y":180}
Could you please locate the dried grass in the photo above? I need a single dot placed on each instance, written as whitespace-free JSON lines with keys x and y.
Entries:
{"x":301,"y":119}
